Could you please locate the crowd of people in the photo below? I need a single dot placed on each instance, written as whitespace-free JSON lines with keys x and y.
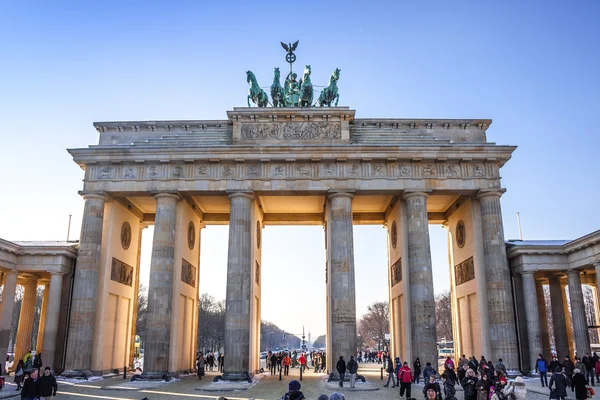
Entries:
{"x":568,"y":373}
{"x":30,"y":382}
{"x":208,"y":362}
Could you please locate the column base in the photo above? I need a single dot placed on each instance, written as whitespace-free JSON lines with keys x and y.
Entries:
{"x":154,"y":376}
{"x":234,"y":376}
{"x":78,"y":374}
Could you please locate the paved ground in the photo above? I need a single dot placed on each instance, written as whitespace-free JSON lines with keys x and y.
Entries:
{"x":267,"y":387}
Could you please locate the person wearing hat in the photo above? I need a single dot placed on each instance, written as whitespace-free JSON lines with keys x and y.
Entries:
{"x":336,"y":396}
{"x":430,"y":393}
{"x":578,"y":385}
{"x":405,"y":377}
{"x":294,"y":392}
{"x":436,"y":387}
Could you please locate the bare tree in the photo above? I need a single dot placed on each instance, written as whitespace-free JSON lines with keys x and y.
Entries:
{"x":211,"y":324}
{"x":374,"y":324}
{"x":443,"y":316}
{"x":320,"y":342}
{"x":590,"y":311}
{"x":142,"y":311}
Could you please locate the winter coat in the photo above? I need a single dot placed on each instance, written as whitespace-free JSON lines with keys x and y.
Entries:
{"x":449,"y":364}
{"x":569,"y":367}
{"x":589,"y":364}
{"x":405,"y":374}
{"x":438,"y":390}
{"x":597,"y":367}
{"x":483,"y":389}
{"x":541,"y":365}
{"x":47,"y":385}
{"x":417,"y":367}
{"x":554,"y":364}
{"x":578,"y":385}
{"x":558,"y":384}
{"x":341,"y":367}
{"x":30,"y":389}
{"x":201,"y":362}
{"x":449,"y":391}
{"x":581,"y":367}
{"x":427,"y":372}
{"x":352,"y":367}
{"x":508,"y":391}
{"x":468,"y":383}
{"x":501,"y":367}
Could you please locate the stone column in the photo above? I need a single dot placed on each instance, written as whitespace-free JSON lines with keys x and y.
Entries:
{"x":533,"y":317}
{"x":78,"y":357}
{"x":561,"y":342}
{"x":342,"y":286}
{"x":420,"y":279}
{"x":51,"y":320}
{"x":8,"y":307}
{"x":25,"y":330}
{"x":160,"y":288}
{"x":503,"y":334}
{"x":597,"y":311}
{"x":41,"y":326}
{"x":580,"y":325}
{"x":544,"y":332}
{"x":239,"y":279}
{"x":136,"y":291}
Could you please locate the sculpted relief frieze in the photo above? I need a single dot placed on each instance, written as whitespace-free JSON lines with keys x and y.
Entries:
{"x":291,"y":131}
{"x":323,"y":169}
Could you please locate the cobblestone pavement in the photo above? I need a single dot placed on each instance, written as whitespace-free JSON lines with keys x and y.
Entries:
{"x":267,"y":388}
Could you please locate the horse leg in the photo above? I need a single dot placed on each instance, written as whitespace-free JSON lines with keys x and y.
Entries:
{"x":249,"y":97}
{"x":337,"y":98}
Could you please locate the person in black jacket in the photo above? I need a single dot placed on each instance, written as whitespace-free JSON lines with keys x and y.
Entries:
{"x":554,"y":363}
{"x":30,"y":389}
{"x":341,"y":369}
{"x":578,"y":385}
{"x":47,"y":386}
{"x":558,"y":385}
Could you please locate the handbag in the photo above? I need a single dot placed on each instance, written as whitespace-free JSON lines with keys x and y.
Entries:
{"x":19,"y":372}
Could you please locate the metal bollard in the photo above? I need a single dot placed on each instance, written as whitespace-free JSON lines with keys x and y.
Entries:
{"x":280,"y":372}
{"x":125,"y":372}
{"x":381,"y":377}
{"x":301,"y":368}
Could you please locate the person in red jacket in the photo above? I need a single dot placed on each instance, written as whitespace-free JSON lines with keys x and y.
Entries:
{"x":405,"y":377}
{"x":302,"y":361}
{"x":286,"y":362}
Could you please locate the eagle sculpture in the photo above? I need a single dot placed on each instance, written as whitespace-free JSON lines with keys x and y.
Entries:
{"x":289,"y":47}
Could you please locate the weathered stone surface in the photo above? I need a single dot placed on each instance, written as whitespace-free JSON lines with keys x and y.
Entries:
{"x":8,"y":306}
{"x":342,"y":285}
{"x":580,"y":326}
{"x":51,"y":321}
{"x":160,"y":288}
{"x":25,"y":330}
{"x":503,"y":337}
{"x":557,"y":298}
{"x":533,"y":317}
{"x":239,"y":279}
{"x":420,"y":277}
{"x":85,"y":287}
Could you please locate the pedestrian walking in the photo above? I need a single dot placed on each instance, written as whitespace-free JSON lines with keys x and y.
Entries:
{"x":405,"y":377}
{"x":558,"y":385}
{"x":30,"y":388}
{"x":391,"y":372}
{"x":541,"y":367}
{"x":47,"y":385}
{"x":352,"y":368}
{"x":341,"y":369}
{"x":417,"y":370}
{"x":200,"y":364}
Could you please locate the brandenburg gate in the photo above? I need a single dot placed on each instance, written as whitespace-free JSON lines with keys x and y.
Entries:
{"x":286,"y":166}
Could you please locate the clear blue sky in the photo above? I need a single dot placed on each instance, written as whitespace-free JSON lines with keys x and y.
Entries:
{"x":531,"y":66}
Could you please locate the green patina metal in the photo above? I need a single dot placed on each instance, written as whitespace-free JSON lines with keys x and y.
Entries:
{"x":293,"y":93}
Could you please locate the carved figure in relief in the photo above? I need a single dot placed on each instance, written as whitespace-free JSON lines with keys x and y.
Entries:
{"x":478,"y":170}
{"x":255,"y":93}
{"x":328,"y":169}
{"x":428,"y":170}
{"x":153,"y":171}
{"x":105,"y":172}
{"x":378,"y":169}
{"x":451,"y":171}
{"x":277,"y":92}
{"x":260,"y":131}
{"x":404,"y":170}
{"x":302,"y":170}
{"x":202,"y":171}
{"x":306,"y":89}
{"x":278,"y":170}
{"x":253,"y":170}
{"x":177,"y":172}
{"x":354,"y":170}
{"x":227,"y":171}
{"x":129,"y":173}
{"x":330,"y":93}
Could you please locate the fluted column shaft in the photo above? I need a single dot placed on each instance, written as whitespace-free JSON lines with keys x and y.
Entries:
{"x":160,"y":288}
{"x":239,"y":281}
{"x":341,"y":264}
{"x":543,"y":321}
{"x":503,"y":335}
{"x":8,"y":307}
{"x":532,"y":316}
{"x":580,"y":325}
{"x":41,"y":326}
{"x":420,"y":279}
{"x":136,"y":292}
{"x":85,"y":286}
{"x":51,"y":319}
{"x":25,"y":330}
{"x":558,"y":317}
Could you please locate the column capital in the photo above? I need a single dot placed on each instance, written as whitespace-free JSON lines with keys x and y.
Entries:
{"x":490,"y":193}
{"x":573,"y":272}
{"x":56,"y":273}
{"x":527,"y":273}
{"x":11,"y":272}
{"x":171,"y":195}
{"x":95,"y":196}
{"x":247,"y":195}
{"x":418,"y":193}
{"x":333,"y":195}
